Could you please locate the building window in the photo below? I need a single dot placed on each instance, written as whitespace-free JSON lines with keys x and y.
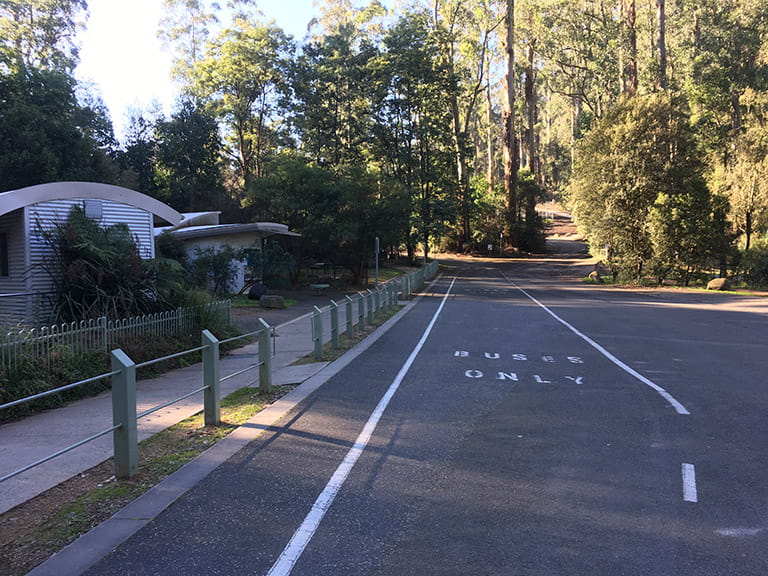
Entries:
{"x":4,"y":266}
{"x":93,"y":208}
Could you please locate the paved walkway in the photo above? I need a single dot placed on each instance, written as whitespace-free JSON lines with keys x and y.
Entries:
{"x":33,"y":438}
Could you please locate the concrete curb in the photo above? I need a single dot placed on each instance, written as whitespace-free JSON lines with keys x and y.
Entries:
{"x":88,"y":549}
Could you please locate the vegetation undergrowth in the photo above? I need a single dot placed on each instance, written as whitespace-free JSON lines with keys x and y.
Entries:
{"x":36,"y":374}
{"x":44,"y":525}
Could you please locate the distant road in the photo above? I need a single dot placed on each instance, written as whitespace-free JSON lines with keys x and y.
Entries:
{"x":515,"y":422}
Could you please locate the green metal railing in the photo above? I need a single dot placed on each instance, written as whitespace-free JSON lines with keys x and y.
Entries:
{"x":124,"y":407}
{"x":370,"y":304}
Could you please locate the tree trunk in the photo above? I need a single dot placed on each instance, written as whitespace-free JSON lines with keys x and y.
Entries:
{"x":508,"y":119}
{"x":630,"y":77}
{"x":530,"y":101}
{"x":489,"y":143}
{"x":748,"y":229}
{"x":662,"y":44}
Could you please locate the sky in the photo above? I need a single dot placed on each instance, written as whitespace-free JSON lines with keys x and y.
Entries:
{"x":121,"y":55}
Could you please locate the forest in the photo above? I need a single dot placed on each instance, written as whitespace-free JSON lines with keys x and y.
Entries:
{"x":434,"y":125}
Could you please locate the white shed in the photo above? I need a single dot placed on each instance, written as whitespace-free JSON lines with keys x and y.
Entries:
{"x":203,"y":233}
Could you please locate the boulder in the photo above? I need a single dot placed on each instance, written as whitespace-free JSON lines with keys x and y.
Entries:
{"x":272,"y":301}
{"x":719,"y":284}
{"x":257,"y":291}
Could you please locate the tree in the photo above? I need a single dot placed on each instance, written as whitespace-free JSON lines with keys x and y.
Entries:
{"x":509,"y":136}
{"x":138,"y":157}
{"x":185,"y":28}
{"x":332,"y":85}
{"x":744,"y":181}
{"x":188,"y":160}
{"x":242,"y":76}
{"x":40,"y":34}
{"x":46,"y":134}
{"x":721,"y":58}
{"x":463,"y":32}
{"x":641,"y":154}
{"x":412,"y":129}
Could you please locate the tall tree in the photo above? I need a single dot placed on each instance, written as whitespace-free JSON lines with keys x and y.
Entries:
{"x":40,"y":33}
{"x":332,"y":85}
{"x":188,"y":168}
{"x":412,"y":128}
{"x":47,"y":135}
{"x":509,"y":136}
{"x":185,"y":28}
{"x":662,"y":42}
{"x":243,"y":76}
{"x":464,"y":31}
{"x":628,"y":65}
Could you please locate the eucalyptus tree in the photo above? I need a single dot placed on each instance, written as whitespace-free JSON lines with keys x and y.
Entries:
{"x":185,"y":28}
{"x":40,"y":34}
{"x":580,"y":55}
{"x":464,"y":33}
{"x":721,"y":57}
{"x":413,"y":135}
{"x":509,"y":134}
{"x":242,"y":78}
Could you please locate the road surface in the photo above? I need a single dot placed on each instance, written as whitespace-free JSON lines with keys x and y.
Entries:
{"x":515,"y":422}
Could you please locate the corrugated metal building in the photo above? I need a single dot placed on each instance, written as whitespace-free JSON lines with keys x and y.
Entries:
{"x":25,"y":214}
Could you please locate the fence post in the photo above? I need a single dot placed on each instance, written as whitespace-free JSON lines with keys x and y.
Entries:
{"x":334,"y":325}
{"x":265,"y":357}
{"x":361,"y":310}
{"x":370,"y":304}
{"x":103,"y":334}
{"x":317,"y":332}
{"x":125,"y":438}
{"x":211,"y":382}
{"x":350,"y":319}
{"x":377,"y":301}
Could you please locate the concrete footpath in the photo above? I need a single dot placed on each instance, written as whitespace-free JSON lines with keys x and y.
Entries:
{"x":31,"y":439}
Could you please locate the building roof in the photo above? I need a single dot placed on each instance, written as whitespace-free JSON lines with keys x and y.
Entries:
{"x":260,"y":229}
{"x":15,"y":199}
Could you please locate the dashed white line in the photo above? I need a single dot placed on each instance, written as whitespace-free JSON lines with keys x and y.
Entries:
{"x":295,"y":548}
{"x":690,"y":494}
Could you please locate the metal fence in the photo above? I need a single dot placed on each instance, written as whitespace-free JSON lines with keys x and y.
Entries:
{"x":124,"y":405}
{"x":353,"y":314}
{"x":50,"y":342}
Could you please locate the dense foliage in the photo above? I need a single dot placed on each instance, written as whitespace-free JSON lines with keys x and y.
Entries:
{"x":436,"y":125}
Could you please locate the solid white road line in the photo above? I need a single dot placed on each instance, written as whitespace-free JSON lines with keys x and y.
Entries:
{"x":679,"y":408}
{"x":293,"y":551}
{"x":689,"y":483}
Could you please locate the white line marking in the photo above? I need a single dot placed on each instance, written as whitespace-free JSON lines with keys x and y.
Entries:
{"x":740,"y":532}
{"x":689,"y":483}
{"x":679,"y":408}
{"x":293,"y":551}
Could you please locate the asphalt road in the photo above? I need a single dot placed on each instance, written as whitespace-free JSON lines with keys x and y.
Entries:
{"x":531,"y":425}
